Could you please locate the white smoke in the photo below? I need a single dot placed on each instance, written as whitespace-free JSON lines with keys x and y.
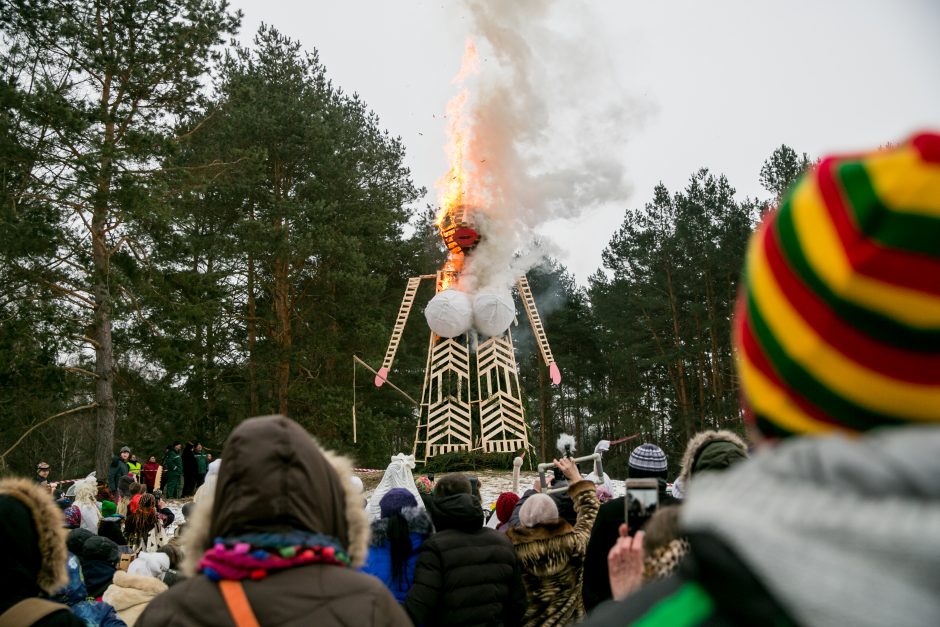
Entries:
{"x":549,"y":121}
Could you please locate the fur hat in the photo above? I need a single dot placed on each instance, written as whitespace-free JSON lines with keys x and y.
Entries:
{"x":647,"y":460}
{"x":125,"y":449}
{"x":395,"y":500}
{"x":538,"y":508}
{"x":837,"y":325}
{"x":505,"y":505}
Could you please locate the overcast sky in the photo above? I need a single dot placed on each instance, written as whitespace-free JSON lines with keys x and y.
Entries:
{"x":685,"y":84}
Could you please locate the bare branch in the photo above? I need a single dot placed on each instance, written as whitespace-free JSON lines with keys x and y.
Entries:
{"x":85,"y":338}
{"x":41,"y":423}
{"x":87,"y":373}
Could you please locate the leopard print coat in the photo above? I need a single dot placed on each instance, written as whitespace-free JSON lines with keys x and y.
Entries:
{"x":551,"y":556}
{"x":664,"y":560}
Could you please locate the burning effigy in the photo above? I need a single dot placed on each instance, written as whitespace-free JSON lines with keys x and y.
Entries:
{"x":471,"y":399}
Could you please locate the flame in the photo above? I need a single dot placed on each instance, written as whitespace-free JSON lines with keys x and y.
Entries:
{"x":454,"y":186}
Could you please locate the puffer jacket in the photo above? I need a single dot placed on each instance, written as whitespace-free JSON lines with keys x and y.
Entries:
{"x":379,"y":562}
{"x":466,"y":574}
{"x":100,"y":558}
{"x":130,"y":594}
{"x":75,"y":595}
{"x":276,"y":478}
{"x":551,"y":556}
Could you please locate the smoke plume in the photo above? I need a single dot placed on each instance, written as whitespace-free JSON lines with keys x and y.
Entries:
{"x":546,"y":122}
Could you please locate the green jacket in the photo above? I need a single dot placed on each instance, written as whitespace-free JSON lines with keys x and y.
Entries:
{"x":173,"y":463}
{"x":202,"y":462}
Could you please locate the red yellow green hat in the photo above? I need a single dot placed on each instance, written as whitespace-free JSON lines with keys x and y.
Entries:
{"x":838,"y":321}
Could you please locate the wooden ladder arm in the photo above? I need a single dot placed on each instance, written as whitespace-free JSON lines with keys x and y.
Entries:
{"x":411,"y":290}
{"x":525,"y":293}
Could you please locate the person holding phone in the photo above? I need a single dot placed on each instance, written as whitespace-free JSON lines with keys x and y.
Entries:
{"x":836,"y":519}
{"x":647,"y":461}
{"x":551,"y":550}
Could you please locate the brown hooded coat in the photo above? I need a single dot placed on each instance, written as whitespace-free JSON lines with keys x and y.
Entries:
{"x":275,"y":478}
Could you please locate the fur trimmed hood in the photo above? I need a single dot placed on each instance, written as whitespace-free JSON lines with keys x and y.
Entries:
{"x":130,"y":590}
{"x":695,"y":447}
{"x":418,"y":522}
{"x":277,"y":477}
{"x":50,"y":531}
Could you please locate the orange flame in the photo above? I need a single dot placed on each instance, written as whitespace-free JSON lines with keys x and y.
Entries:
{"x":453,"y":186}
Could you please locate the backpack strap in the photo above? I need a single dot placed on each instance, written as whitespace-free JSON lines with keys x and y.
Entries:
{"x":238,"y":606}
{"x":29,"y":611}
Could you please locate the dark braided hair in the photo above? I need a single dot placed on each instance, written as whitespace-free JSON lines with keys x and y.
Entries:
{"x":399,"y":540}
{"x":138,"y":525}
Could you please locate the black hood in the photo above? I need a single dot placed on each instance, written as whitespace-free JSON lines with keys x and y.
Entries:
{"x":75,"y":541}
{"x":457,"y":511}
{"x":100,"y":549}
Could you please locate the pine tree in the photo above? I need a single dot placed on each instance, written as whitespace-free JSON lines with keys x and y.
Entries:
{"x":107,"y":81}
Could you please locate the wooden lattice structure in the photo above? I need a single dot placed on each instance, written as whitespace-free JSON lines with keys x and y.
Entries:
{"x":451,"y":419}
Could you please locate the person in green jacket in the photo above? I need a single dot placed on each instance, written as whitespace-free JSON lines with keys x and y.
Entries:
{"x":202,"y":463}
{"x":173,"y":471}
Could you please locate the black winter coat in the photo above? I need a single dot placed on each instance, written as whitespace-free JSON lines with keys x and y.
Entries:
{"x":726,"y":593}
{"x":466,"y":574}
{"x":610,"y":516}
{"x":117,"y":470}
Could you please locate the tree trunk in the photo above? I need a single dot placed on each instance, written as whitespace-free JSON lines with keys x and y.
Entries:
{"x":283,"y":335}
{"x":252,"y":314}
{"x":282,"y":314}
{"x":683,"y":393}
{"x":105,"y":414}
{"x":104,"y":357}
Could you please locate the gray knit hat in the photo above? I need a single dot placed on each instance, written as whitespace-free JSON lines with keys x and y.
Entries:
{"x":647,"y":460}
{"x":538,"y":508}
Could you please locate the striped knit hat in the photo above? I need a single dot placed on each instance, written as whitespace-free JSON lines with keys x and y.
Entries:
{"x":838,"y":321}
{"x":647,"y":460}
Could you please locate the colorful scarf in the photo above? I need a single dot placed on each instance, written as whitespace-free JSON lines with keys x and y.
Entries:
{"x":254,"y":556}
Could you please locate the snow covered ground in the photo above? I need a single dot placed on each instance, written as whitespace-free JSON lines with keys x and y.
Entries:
{"x":492,"y":484}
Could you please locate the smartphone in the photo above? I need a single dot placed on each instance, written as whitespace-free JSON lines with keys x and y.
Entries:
{"x":641,"y":502}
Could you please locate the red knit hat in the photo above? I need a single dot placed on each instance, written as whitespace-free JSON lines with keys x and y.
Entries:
{"x":838,"y":320}
{"x":505,"y":504}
